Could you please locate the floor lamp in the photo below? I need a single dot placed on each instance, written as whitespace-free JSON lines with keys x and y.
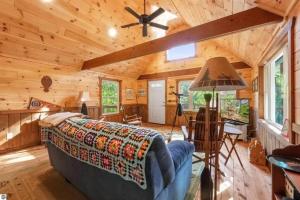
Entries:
{"x":216,"y":75}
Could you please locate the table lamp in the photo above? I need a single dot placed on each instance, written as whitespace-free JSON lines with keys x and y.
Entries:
{"x":84,"y":97}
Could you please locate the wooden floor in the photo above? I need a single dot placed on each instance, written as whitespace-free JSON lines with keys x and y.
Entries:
{"x":27,"y":174}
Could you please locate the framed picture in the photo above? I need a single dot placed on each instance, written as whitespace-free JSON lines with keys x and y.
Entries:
{"x":141,"y":92}
{"x":129,"y":94}
{"x":255,"y":85}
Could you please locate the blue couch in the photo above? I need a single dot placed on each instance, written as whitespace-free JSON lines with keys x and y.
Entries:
{"x":168,"y":174}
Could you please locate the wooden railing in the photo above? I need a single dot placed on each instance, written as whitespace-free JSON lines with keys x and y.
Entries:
{"x":19,"y":128}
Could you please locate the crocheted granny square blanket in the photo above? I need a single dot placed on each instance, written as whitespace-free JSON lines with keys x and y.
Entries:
{"x":117,"y":148}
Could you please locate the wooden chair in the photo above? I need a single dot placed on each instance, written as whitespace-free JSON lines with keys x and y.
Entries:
{"x":132,"y":120}
{"x":209,"y":144}
{"x":195,"y":133}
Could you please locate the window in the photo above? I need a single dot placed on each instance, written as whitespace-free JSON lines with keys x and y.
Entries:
{"x":181,"y":52}
{"x":110,"y":96}
{"x":276,"y":89}
{"x":194,"y":100}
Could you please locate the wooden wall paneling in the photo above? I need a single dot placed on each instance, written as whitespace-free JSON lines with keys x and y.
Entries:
{"x":35,"y":129}
{"x":93,"y":112}
{"x":25,"y":129}
{"x":143,"y":112}
{"x":260,"y":99}
{"x":14,"y":128}
{"x":114,"y":118}
{"x":3,"y":128}
{"x":23,"y":124}
{"x":183,"y":120}
{"x":269,"y":138}
{"x":231,"y":24}
{"x":291,"y":73}
{"x":185,"y":72}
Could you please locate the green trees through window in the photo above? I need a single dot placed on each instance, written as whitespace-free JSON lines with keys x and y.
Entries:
{"x":194,"y":100}
{"x":279,"y":90}
{"x":276,"y":89}
{"x":110,"y":96}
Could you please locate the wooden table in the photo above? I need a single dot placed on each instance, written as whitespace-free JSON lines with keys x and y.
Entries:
{"x":232,"y":134}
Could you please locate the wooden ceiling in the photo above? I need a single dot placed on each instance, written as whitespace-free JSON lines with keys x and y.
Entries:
{"x":68,"y":32}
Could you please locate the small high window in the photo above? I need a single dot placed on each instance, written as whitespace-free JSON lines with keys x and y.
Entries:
{"x":181,"y":52}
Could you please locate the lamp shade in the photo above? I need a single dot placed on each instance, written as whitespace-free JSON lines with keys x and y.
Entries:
{"x":219,"y":75}
{"x":84,"y":96}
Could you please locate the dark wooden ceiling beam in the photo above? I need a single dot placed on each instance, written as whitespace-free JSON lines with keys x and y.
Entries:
{"x":185,"y":72}
{"x":231,"y":24}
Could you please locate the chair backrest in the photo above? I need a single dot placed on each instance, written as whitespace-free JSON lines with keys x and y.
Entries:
{"x":198,"y":125}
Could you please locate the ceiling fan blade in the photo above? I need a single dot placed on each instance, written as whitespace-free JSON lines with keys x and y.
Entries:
{"x":132,"y":12}
{"x":156,"y":14}
{"x":129,"y":25}
{"x":158,"y":26}
{"x":145,"y":30}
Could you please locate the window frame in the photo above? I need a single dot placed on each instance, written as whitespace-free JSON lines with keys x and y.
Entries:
{"x":190,"y":96}
{"x":182,"y":59}
{"x":268,"y":87}
{"x":101,"y":97}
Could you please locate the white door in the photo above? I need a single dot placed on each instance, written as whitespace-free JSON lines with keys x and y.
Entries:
{"x":157,"y":101}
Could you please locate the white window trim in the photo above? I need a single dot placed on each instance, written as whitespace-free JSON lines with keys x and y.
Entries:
{"x":267,"y":85}
{"x":191,"y":106}
{"x":179,"y":59}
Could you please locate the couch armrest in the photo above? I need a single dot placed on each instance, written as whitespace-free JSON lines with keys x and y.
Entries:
{"x":180,"y":152}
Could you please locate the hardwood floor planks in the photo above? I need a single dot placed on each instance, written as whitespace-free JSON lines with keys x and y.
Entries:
{"x":31,"y":176}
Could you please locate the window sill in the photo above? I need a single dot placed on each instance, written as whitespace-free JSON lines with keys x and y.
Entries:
{"x":110,"y":114}
{"x":274,"y":129}
{"x":271,"y":126}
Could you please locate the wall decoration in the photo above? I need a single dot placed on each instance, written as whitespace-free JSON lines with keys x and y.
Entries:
{"x":129,"y":93}
{"x":255,"y":85}
{"x":285,"y":128}
{"x":46,"y":82}
{"x":172,"y":89}
{"x":141,"y":92}
{"x":35,"y":104}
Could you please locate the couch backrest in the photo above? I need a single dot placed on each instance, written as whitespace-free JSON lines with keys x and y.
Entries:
{"x":160,"y":152}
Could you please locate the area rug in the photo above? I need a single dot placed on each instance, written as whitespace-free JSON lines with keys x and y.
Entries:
{"x":194,"y":190}
{"x":47,"y":183}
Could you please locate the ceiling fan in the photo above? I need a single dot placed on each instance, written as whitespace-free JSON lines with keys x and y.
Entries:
{"x":145,"y":19}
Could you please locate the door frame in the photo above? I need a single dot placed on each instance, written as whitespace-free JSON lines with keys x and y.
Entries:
{"x":166,"y":83}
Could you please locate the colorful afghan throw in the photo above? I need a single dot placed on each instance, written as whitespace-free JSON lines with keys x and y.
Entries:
{"x":117,"y":148}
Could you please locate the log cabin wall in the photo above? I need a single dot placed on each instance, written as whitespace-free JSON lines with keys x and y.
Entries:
{"x":297,"y":74}
{"x":19,"y":129}
{"x":21,"y":79}
{"x":171,"y":101}
{"x":270,"y":137}
{"x":204,"y":51}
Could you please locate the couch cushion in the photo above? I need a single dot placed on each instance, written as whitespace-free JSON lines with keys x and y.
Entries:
{"x":180,"y":151}
{"x":164,"y":159}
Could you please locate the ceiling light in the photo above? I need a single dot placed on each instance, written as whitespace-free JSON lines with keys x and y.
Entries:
{"x":46,"y":1}
{"x":112,"y":32}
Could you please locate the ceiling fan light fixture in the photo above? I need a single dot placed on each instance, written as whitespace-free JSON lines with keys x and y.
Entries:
{"x":145,"y":19}
{"x":112,"y":32}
